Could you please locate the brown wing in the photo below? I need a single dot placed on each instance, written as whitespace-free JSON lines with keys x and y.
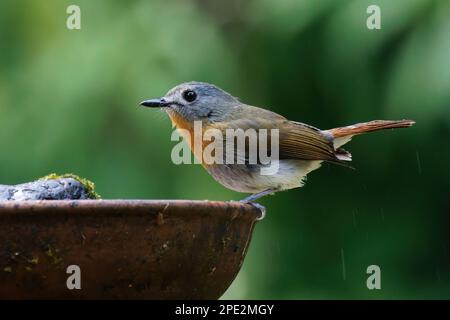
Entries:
{"x":301,"y":141}
{"x":297,"y":140}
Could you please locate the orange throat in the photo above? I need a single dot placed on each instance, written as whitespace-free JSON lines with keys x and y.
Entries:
{"x":186,"y":130}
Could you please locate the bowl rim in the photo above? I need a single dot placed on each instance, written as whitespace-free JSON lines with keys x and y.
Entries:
{"x":114,"y":206}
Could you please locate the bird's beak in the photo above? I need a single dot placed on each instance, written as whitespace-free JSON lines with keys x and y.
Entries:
{"x":154,"y":103}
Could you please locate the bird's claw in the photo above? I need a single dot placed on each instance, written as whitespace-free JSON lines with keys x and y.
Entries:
{"x":257,"y":206}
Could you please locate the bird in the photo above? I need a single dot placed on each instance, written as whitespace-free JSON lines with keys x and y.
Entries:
{"x":302,"y":148}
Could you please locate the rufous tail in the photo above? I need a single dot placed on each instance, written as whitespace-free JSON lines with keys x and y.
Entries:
{"x":342,"y":135}
{"x":370,"y":126}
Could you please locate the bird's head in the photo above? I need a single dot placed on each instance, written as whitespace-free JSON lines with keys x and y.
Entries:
{"x":195,"y":101}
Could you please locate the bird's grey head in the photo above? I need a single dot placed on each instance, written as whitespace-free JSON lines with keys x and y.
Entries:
{"x":195,"y":101}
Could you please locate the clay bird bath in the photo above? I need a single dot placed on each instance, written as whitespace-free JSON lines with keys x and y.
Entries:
{"x":125,"y":249}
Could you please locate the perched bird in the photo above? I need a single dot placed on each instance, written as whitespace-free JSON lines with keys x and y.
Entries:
{"x":301,"y":147}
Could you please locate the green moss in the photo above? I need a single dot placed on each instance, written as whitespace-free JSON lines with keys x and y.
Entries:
{"x":7,"y":269}
{"x":89,"y":185}
{"x":53,"y":254}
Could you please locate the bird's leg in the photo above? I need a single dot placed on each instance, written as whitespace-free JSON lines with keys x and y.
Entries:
{"x":255,"y":196}
{"x":258,"y":195}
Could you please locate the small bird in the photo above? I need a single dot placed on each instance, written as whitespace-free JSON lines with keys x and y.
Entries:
{"x":301,"y":147}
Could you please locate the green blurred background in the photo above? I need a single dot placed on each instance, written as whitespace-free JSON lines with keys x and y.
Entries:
{"x":68,"y":103}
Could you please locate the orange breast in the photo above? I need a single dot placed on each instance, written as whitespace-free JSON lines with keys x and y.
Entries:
{"x":180,"y":123}
{"x":185,"y":126}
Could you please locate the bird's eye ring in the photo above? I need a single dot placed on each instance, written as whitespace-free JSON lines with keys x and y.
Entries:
{"x":189,"y":95}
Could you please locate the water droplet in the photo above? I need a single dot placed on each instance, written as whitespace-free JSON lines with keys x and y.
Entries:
{"x":354,"y":212}
{"x":438,"y":275}
{"x":344,"y":274}
{"x":419,"y":166}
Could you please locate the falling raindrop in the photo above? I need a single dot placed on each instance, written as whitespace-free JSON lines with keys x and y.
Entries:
{"x":419,"y":166}
{"x":438,"y":274}
{"x":354,"y":218}
{"x":344,"y":275}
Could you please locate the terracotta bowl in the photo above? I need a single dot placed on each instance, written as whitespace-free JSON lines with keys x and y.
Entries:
{"x":125,"y":249}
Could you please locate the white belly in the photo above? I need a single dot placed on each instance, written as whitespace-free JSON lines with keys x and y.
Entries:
{"x":242,"y":178}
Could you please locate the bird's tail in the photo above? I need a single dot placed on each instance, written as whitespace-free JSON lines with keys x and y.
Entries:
{"x":342,"y":135}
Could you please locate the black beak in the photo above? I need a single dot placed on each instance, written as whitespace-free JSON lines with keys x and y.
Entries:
{"x":154,"y":103}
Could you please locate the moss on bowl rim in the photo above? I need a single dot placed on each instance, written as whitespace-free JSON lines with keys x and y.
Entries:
{"x":88,"y":184}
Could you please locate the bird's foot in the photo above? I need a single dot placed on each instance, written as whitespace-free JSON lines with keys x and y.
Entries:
{"x":258,"y":206}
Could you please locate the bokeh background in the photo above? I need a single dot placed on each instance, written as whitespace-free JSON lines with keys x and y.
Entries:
{"x":68,"y":103}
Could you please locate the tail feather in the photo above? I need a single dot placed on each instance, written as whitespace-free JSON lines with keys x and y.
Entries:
{"x":369,"y":127}
{"x":342,"y":135}
{"x":343,"y":155}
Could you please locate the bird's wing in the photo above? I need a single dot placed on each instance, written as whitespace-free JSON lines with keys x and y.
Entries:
{"x":301,"y":141}
{"x":296,"y":140}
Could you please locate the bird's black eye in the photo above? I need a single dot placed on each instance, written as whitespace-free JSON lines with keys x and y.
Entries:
{"x":189,"y":95}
